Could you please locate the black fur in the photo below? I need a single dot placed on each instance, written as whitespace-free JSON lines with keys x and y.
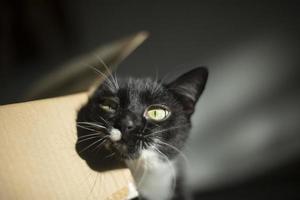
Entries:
{"x":132,"y":97}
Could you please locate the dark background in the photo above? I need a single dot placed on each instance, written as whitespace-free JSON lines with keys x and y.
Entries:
{"x":37,"y":35}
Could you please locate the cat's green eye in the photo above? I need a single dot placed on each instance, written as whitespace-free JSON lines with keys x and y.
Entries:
{"x":108,"y":106}
{"x":157,"y":113}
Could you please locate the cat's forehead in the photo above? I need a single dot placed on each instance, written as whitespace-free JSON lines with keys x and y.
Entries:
{"x":142,"y":84}
{"x":141,"y":91}
{"x":136,"y":92}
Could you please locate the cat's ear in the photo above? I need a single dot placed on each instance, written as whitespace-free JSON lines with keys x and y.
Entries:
{"x":188,"y":87}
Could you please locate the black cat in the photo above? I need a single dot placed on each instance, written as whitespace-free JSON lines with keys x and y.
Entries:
{"x":145,"y":124}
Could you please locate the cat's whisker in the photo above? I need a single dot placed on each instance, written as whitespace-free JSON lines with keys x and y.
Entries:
{"x":159,"y":142}
{"x":110,"y":155}
{"x":165,"y":130}
{"x":156,"y":84}
{"x":102,"y":121}
{"x":156,"y":74}
{"x":173,"y":172}
{"x":109,"y":71}
{"x":92,"y":124}
{"x":85,"y":139}
{"x":91,"y":134}
{"x":144,"y":172}
{"x":100,"y":140}
{"x":111,"y":84}
{"x":116,"y":79}
{"x":106,"y":123}
{"x":93,"y":186}
{"x":143,"y":144}
{"x":85,"y":180}
{"x":101,"y":182}
{"x":155,"y":124}
{"x":139,"y":146}
{"x":86,"y":128}
{"x":98,"y":147}
{"x":137,"y":167}
{"x":162,"y":80}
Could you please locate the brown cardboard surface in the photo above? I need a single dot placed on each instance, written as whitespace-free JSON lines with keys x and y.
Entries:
{"x":38,"y":158}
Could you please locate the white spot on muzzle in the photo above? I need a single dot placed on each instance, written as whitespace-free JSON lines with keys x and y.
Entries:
{"x":115,"y":135}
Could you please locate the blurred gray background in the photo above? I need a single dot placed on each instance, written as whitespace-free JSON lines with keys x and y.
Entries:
{"x":245,"y":143}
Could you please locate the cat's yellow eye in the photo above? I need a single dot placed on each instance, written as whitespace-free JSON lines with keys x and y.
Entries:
{"x":157,"y":113}
{"x":108,"y":106}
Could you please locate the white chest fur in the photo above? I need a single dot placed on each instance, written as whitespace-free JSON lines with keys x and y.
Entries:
{"x":154,"y":177}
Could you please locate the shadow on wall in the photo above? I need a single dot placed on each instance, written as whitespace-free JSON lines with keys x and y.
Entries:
{"x":247,"y":121}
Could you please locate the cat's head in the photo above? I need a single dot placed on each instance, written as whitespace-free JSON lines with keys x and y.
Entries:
{"x":131,"y":115}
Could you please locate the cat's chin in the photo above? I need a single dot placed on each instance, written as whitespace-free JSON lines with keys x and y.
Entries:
{"x":121,"y":150}
{"x":125,"y":157}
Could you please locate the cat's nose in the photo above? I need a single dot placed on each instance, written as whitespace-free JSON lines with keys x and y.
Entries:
{"x":127,"y":123}
{"x":128,"y":126}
